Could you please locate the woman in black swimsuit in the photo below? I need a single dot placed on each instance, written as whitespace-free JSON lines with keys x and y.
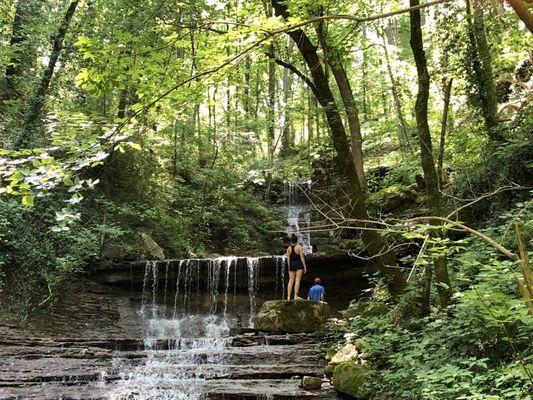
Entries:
{"x":296,"y":262}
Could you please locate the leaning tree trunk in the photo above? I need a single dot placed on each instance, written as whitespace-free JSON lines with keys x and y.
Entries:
{"x":27,"y":137}
{"x":522,"y":10}
{"x":384,"y":258}
{"x":424,"y":138}
{"x":333,"y":59}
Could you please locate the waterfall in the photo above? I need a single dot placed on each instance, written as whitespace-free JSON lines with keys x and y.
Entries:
{"x":207,"y":297}
{"x":280,"y":277}
{"x":253,"y":269}
{"x":230,"y":261}
{"x":298,"y":213}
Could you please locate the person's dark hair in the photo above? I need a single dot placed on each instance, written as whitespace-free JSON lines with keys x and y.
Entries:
{"x":294,"y":239}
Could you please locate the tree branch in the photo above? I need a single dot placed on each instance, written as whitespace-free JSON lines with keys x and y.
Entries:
{"x":296,"y":71}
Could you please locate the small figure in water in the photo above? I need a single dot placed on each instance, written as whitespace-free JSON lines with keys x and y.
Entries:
{"x":316,"y":293}
{"x":296,"y":262}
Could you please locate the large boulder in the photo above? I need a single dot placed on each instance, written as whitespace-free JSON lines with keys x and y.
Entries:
{"x":350,"y":379}
{"x":292,"y":316}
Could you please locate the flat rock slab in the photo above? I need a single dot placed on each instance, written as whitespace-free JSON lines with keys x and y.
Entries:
{"x":227,"y":389}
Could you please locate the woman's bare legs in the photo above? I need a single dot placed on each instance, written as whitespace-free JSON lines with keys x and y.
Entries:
{"x":297,"y":284}
{"x":290,"y":284}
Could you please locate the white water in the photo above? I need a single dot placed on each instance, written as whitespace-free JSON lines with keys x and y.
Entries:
{"x":180,"y":372}
{"x":298,"y":214}
{"x":191,"y":329}
{"x":191,"y":305}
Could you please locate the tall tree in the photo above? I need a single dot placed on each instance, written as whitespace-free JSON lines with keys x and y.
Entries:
{"x":426,"y":149}
{"x":335,"y":62}
{"x":28,"y":135}
{"x":287,"y":133}
{"x":384,"y":258}
{"x":23,"y":47}
{"x":482,"y":66}
{"x":404,"y":128}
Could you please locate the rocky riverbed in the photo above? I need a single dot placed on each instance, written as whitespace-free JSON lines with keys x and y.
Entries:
{"x":178,"y":334}
{"x":238,"y":367}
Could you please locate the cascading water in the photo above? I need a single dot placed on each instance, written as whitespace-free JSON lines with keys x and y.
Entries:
{"x":191,"y":305}
{"x":195,"y":323}
{"x":253,"y":268}
{"x":298,"y":212}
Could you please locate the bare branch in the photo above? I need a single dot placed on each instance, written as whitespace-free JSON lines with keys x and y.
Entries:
{"x":296,"y":71}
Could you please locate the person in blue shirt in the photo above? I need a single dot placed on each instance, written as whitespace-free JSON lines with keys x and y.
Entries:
{"x":317,"y":291}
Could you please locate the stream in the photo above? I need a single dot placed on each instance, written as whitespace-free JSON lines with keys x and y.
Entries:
{"x":172,"y":330}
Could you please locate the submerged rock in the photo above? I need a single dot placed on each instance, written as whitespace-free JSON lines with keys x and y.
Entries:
{"x":292,"y":316}
{"x":350,"y":378}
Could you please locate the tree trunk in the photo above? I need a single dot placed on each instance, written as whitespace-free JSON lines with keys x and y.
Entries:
{"x":334,"y":60}
{"x":424,"y":137}
{"x":287,"y":133}
{"x":27,"y":138}
{"x":311,"y":105}
{"x":404,"y":128}
{"x":24,"y":50}
{"x":447,"y":86}
{"x":521,"y":9}
{"x":246,"y":93}
{"x":482,"y":66}
{"x":271,"y":113}
{"x":375,"y":244}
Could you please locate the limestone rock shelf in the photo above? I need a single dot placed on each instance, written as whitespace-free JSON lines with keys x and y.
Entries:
{"x":33,"y":368}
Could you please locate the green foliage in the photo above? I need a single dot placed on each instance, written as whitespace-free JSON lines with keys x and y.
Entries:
{"x":501,"y":165}
{"x":479,"y":348}
{"x":34,"y":260}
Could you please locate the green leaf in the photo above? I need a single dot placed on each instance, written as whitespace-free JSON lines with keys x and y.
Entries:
{"x":27,"y":201}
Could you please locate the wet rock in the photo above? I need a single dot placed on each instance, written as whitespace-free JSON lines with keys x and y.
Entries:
{"x":350,"y":378}
{"x":292,"y":317}
{"x":311,"y":382}
{"x":240,"y":330}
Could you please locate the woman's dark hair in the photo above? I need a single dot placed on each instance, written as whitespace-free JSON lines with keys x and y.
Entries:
{"x":294,"y":239}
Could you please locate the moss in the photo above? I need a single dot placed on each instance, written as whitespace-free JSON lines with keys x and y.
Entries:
{"x":292,"y":317}
{"x":329,"y":369}
{"x":350,"y":378}
{"x":375,"y":308}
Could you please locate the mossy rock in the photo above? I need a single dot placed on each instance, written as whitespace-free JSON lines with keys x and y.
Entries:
{"x":329,"y":369}
{"x":311,"y":382}
{"x":350,"y":379}
{"x":375,"y":308}
{"x":292,"y":316}
{"x":355,"y":309}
